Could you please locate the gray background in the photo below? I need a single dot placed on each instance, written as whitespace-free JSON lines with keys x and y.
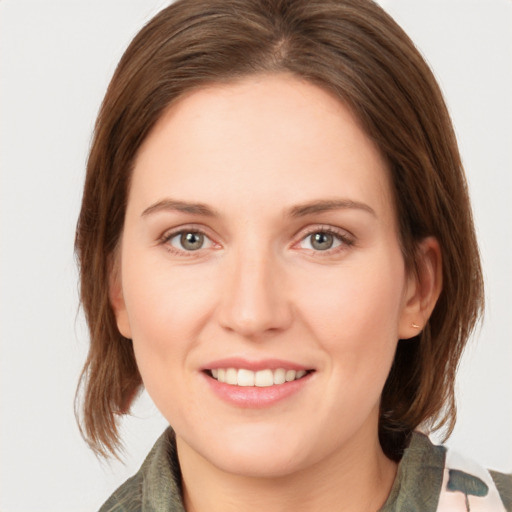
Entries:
{"x":56,"y":58}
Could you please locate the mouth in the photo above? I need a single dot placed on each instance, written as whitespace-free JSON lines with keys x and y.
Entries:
{"x":243,"y":377}
{"x":256,"y":384}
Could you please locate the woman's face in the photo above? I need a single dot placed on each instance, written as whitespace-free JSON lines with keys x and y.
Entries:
{"x":261,"y":277}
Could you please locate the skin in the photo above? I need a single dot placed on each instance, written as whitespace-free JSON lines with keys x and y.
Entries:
{"x":252,"y":151}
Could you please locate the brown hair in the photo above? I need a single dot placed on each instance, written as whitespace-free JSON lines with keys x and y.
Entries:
{"x":353,"y":49}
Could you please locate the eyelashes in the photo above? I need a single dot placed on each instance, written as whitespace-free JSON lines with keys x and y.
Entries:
{"x":189,"y":241}
{"x":325,"y":239}
{"x":318,"y":240}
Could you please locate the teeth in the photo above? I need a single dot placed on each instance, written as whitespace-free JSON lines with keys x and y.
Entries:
{"x":264,"y":378}
{"x":261,"y":378}
{"x":244,"y":378}
{"x":279,"y":376}
{"x":290,"y":375}
{"x":231,"y":376}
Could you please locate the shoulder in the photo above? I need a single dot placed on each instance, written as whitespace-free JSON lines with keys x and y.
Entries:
{"x":434,"y":478}
{"x":503,"y":482}
{"x":156,"y":486}
{"x":466,"y":483}
{"x":127,"y":498}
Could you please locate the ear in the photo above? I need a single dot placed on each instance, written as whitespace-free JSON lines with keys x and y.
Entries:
{"x":117,"y":298}
{"x":423,"y":288}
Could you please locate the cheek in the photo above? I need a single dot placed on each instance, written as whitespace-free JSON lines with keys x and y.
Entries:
{"x":167,"y":311}
{"x":355,"y":314}
{"x":166,"y":307}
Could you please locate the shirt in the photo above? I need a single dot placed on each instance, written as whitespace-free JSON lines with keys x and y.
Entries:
{"x":430,"y":478}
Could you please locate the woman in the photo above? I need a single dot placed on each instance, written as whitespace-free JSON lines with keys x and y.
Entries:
{"x":276,"y":241}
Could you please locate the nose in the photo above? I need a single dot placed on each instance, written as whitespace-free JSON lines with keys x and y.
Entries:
{"x":254,"y":300}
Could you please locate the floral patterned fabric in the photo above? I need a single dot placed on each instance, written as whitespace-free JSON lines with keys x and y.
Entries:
{"x":430,"y":478}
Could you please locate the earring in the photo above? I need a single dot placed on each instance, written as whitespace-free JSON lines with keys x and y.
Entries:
{"x":415,"y":326}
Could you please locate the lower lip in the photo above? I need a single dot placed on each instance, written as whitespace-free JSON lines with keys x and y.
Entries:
{"x":253,"y":397}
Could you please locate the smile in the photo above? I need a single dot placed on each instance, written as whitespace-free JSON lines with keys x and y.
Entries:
{"x":261,"y":378}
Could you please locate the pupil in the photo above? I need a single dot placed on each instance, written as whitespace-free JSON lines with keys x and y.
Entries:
{"x":192,"y":241}
{"x":322,"y":241}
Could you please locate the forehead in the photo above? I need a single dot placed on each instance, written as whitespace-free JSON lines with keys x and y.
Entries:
{"x":275,"y":135}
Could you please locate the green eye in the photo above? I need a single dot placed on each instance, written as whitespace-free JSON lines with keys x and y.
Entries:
{"x":192,"y":241}
{"x":189,"y":241}
{"x":321,"y":241}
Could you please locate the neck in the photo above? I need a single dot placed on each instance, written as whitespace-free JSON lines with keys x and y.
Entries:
{"x":357,"y":479}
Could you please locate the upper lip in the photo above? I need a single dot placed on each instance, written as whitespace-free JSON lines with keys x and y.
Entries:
{"x":254,"y":365}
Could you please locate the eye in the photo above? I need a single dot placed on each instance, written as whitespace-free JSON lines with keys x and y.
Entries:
{"x":323,"y":240}
{"x":189,"y":241}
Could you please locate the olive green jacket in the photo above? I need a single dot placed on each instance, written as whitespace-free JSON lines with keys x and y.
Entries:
{"x":430,"y":479}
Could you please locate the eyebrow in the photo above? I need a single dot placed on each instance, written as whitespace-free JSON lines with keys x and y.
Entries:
{"x":180,"y":206}
{"x":321,"y":206}
{"x":300,"y":210}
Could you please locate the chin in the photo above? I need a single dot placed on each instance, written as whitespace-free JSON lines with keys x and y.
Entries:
{"x":269,"y":462}
{"x":258,"y":451}
{"x":278,"y":457}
